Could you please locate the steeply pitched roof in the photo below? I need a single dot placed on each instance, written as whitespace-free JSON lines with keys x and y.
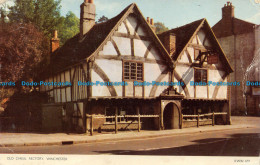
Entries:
{"x":236,"y":26}
{"x":75,"y":51}
{"x":185,"y":34}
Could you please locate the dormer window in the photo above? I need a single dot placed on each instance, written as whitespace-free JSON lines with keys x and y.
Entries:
{"x":133,"y":71}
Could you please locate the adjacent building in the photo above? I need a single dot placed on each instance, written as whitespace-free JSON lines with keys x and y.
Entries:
{"x":240,"y":41}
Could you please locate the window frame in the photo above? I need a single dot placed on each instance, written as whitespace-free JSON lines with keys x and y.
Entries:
{"x":130,"y":71}
{"x":201,"y":75}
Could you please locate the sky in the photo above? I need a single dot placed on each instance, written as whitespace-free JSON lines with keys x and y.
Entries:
{"x":172,"y":13}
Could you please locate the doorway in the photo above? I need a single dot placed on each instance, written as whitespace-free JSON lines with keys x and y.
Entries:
{"x":171,"y":116}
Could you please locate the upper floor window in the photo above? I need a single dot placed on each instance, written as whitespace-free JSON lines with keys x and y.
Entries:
{"x":133,"y":71}
{"x":201,"y":75}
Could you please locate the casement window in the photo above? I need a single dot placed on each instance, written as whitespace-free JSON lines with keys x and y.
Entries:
{"x":133,"y":71}
{"x":201,"y":75}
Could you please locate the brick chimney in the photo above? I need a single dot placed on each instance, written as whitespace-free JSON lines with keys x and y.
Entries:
{"x":227,"y":19}
{"x":151,"y":23}
{"x":55,"y":42}
{"x":169,"y":42}
{"x":228,"y":11}
{"x":87,"y":16}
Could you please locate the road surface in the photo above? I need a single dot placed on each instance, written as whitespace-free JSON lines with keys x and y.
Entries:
{"x":237,"y":142}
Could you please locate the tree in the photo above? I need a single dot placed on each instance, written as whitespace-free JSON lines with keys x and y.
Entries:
{"x":69,"y":28}
{"x":102,"y":19}
{"x":22,"y":47}
{"x":44,"y":14}
{"x":160,"y":27}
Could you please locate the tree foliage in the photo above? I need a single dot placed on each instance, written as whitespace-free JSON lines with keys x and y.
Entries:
{"x":44,"y":14}
{"x":102,"y":19}
{"x":160,"y":27}
{"x":22,"y":47}
{"x":69,"y":28}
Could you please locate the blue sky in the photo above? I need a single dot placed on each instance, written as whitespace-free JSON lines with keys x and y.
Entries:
{"x":172,"y":13}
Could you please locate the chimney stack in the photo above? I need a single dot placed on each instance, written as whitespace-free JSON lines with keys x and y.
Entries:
{"x":148,"y":20}
{"x":152,"y":24}
{"x":87,"y":16}
{"x":55,"y":42}
{"x":228,"y":11}
{"x":169,"y":42}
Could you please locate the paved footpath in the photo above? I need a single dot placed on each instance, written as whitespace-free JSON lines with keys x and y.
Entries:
{"x":37,"y":139}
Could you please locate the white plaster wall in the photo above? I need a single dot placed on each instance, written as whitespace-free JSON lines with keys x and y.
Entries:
{"x":222,"y":93}
{"x":214,"y":76}
{"x":131,"y":23}
{"x":108,"y":49}
{"x":154,"y":54}
{"x":123,"y":44}
{"x":201,"y":92}
{"x":62,"y":77}
{"x":139,"y":91}
{"x":113,"y":70}
{"x":191,"y":52}
{"x":160,"y":89}
{"x":187,"y":74}
{"x":194,"y":40}
{"x":207,"y":43}
{"x":68,"y":93}
{"x":98,"y":91}
{"x":141,"y":31}
{"x":129,"y":90}
{"x":58,"y":95}
{"x":140,"y":47}
{"x":67,"y":76}
{"x":151,"y":73}
{"x":201,"y":36}
{"x":122,"y":28}
{"x":63,"y":99}
{"x":184,"y":58}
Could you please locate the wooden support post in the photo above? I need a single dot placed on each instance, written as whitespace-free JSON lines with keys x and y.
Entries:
{"x":213,"y":119}
{"x":91,"y":126}
{"x":198,"y":120}
{"x":139,"y":119}
{"x":159,"y":122}
{"x":181,"y":120}
{"x":116,"y":112}
{"x":86,"y":124}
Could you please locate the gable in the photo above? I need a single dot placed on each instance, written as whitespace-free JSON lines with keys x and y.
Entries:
{"x":132,"y":38}
{"x":201,"y":41}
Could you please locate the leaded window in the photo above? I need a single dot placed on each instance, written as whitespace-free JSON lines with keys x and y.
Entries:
{"x":133,"y":71}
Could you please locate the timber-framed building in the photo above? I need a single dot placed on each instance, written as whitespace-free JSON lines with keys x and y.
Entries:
{"x":126,"y":49}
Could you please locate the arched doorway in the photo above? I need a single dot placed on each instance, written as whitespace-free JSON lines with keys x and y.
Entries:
{"x":171,"y":116}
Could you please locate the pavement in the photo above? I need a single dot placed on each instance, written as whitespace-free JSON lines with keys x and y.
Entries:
{"x":41,"y":139}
